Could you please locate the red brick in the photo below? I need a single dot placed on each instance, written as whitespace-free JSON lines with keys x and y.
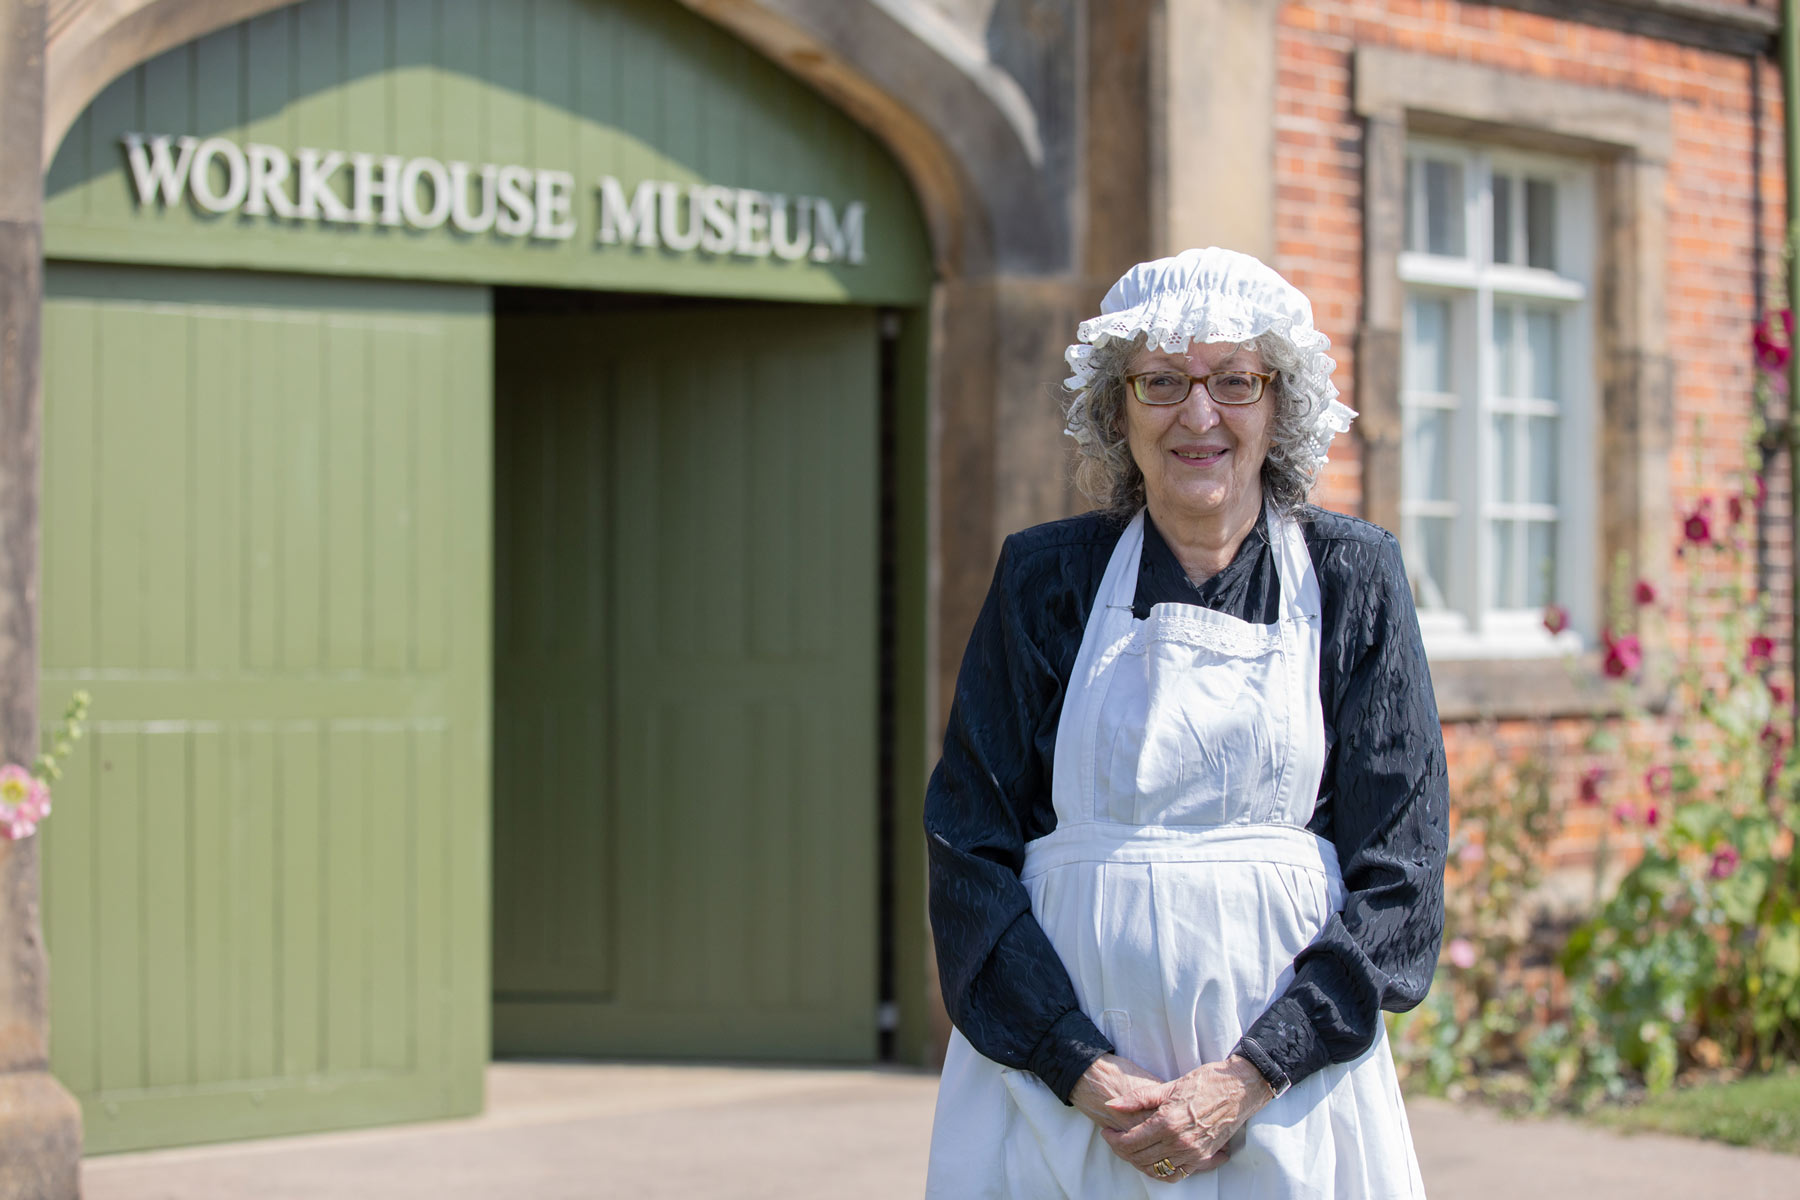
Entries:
{"x":1710,"y":231}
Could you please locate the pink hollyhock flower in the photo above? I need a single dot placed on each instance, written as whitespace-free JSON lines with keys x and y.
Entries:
{"x":1657,"y":779}
{"x":1462,"y":953}
{"x":1591,"y":780}
{"x":1645,"y":593}
{"x":1778,"y":693}
{"x":1697,"y":525}
{"x":1556,"y":618}
{"x":1624,"y":812}
{"x":1624,"y":654}
{"x":1724,"y":862}
{"x":1652,"y":815}
{"x":1772,"y":353}
{"x":24,"y":801}
{"x":1759,"y":652}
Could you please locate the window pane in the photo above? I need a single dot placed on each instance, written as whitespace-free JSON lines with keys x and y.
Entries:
{"x":1503,"y":193}
{"x":1540,"y":223}
{"x":1540,"y":563}
{"x":1542,"y":352}
{"x":1428,"y":345}
{"x":1426,"y":468}
{"x":1415,"y":191}
{"x":1506,"y":373}
{"x":1428,"y":563}
{"x":1443,"y":208}
{"x":1502,"y":564}
{"x":1541,"y":449}
{"x":1503,"y":477}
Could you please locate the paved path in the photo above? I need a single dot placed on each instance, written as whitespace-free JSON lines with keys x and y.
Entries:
{"x":569,"y":1131}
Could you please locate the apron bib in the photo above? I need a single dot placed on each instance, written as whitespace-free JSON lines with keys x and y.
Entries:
{"x":1178,"y":887}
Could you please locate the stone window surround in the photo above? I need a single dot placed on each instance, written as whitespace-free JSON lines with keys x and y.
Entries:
{"x":1628,"y":138}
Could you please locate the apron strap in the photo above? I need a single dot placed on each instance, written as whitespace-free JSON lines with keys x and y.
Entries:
{"x":1118,"y":587}
{"x":1299,"y":582}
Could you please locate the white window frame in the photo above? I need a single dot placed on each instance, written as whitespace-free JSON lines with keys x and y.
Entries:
{"x":1470,"y":627}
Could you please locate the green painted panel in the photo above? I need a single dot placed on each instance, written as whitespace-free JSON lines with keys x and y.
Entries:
{"x":639,"y":91}
{"x":915,"y":974}
{"x":266,"y":505}
{"x":686,"y":627}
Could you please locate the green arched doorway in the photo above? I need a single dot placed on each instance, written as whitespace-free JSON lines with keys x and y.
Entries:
{"x":405,"y":607}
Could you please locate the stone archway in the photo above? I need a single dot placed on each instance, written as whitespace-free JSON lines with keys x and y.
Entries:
{"x":960,"y":127}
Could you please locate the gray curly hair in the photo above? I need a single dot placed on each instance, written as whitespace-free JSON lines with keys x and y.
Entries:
{"x":1108,"y":475}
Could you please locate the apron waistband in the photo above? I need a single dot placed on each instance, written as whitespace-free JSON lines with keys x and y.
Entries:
{"x":1107,"y":841}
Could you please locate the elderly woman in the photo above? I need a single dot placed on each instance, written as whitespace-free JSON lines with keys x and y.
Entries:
{"x":1187,"y":837}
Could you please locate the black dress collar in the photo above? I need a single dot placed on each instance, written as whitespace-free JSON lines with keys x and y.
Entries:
{"x":1243,"y":586}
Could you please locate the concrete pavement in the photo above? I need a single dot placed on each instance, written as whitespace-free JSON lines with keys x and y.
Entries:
{"x":565,"y":1131}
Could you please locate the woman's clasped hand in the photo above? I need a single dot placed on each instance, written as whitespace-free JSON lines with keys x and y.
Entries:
{"x":1180,"y":1125}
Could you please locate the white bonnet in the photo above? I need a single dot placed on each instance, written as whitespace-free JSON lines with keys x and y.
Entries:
{"x":1213,"y":295}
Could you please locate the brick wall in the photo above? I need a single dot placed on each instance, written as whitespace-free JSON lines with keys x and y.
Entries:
{"x":1725,"y":113}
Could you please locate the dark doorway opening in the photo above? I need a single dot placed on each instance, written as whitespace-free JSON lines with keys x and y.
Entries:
{"x":694,"y":839}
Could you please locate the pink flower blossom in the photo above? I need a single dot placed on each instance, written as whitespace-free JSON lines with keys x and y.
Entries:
{"x":1462,"y":953}
{"x":1778,"y":692}
{"x":1624,"y":812}
{"x":1652,"y":814}
{"x":1759,"y":652}
{"x":24,"y":801}
{"x":1724,"y":862}
{"x":1657,"y":779}
{"x":1772,"y":353}
{"x":1556,"y":618}
{"x":1591,"y":779}
{"x":1624,"y":654}
{"x":1645,"y":593}
{"x":1774,"y":738}
{"x":1697,"y":525}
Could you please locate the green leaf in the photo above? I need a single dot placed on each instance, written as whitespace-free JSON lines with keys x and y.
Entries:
{"x":1696,"y":821}
{"x":1576,"y":950}
{"x":1781,"y":952}
{"x":1739,"y":895}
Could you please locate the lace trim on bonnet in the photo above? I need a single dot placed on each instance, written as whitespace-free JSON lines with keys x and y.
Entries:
{"x":1212,"y":295}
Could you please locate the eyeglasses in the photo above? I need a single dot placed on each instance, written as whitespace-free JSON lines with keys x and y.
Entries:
{"x":1225,"y":387}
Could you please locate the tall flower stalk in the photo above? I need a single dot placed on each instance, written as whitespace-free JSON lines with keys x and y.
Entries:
{"x":25,"y":795}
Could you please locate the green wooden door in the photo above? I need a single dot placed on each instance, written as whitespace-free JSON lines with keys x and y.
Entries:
{"x":685,"y":676}
{"x":265,"y":554}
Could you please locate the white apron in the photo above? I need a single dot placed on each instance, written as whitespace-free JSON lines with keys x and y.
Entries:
{"x":1178,"y":887}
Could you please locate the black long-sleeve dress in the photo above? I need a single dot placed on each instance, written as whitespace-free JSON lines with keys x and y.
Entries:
{"x":1383,"y":797}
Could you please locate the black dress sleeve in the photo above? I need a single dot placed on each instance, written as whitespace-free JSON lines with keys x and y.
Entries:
{"x":1387,"y":812}
{"x":1004,"y":986}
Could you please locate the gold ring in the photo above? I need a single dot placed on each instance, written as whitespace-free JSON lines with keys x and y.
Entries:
{"x":1163,"y":1168}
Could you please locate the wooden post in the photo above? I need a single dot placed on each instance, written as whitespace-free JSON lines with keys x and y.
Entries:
{"x":40,"y":1123}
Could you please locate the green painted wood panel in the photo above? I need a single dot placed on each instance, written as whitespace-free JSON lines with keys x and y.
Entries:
{"x":266,"y":554}
{"x":633,"y":89}
{"x":686,"y":627}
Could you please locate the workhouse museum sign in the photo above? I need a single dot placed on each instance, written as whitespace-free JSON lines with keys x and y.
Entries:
{"x":219,"y":177}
